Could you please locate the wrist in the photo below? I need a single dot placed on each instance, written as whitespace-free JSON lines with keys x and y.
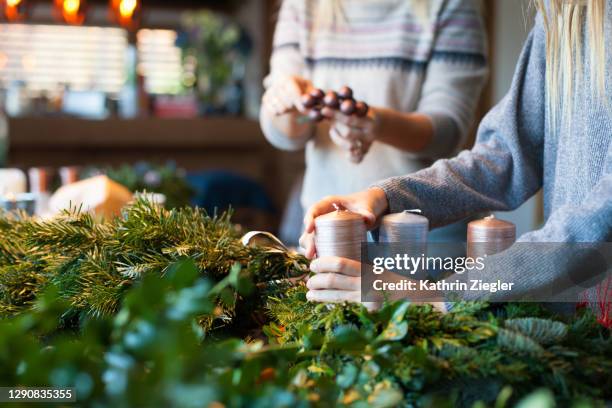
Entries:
{"x":376,"y":116}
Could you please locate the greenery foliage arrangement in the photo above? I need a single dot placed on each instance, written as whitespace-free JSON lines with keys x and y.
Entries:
{"x":165,"y":179}
{"x":168,"y":308}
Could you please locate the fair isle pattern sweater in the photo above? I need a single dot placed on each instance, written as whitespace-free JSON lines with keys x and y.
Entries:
{"x":517,"y":152}
{"x":391,"y":58}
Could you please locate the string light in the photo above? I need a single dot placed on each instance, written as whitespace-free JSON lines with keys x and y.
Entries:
{"x":127,"y":8}
{"x":71,"y":11}
{"x":14,"y":10}
{"x":125,"y":12}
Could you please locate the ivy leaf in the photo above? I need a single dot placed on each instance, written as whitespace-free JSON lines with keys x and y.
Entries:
{"x":347,"y":376}
{"x":385,"y":398}
{"x":348,"y":338}
{"x":537,"y":399}
{"x":397,"y":328}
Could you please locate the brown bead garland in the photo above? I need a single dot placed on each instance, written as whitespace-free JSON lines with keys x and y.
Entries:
{"x":342,"y":101}
{"x":489,"y":236}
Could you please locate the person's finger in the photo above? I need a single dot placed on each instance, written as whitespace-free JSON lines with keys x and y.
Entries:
{"x":308,"y":245}
{"x":286,"y":98}
{"x":266,"y":102}
{"x":333,"y":296}
{"x":355,"y":157}
{"x":344,"y":130}
{"x":289,"y":94}
{"x":350,"y":120}
{"x":365,"y":148}
{"x":333,"y":281}
{"x":326,"y":205}
{"x":350,"y":133}
{"x":276,"y":104}
{"x":294,"y":93}
{"x":330,"y":203}
{"x":336,"y":264}
{"x":342,"y":142}
{"x":328,"y":112}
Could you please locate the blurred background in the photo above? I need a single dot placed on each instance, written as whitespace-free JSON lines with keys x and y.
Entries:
{"x":164,"y":95}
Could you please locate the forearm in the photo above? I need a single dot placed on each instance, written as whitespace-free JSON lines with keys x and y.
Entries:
{"x":288,"y":131}
{"x":410,"y":132}
{"x":479,"y":180}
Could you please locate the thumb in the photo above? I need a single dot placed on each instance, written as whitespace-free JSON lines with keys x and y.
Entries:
{"x":368,"y":216}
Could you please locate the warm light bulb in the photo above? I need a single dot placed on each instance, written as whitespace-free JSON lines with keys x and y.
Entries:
{"x":72,"y":6}
{"x":127,"y":7}
{"x":13,"y":3}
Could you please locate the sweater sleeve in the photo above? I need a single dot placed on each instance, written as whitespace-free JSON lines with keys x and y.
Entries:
{"x":455,"y":75}
{"x":286,"y":60}
{"x":503,"y":169}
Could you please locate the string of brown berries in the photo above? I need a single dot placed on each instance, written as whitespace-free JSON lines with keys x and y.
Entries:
{"x":342,"y":100}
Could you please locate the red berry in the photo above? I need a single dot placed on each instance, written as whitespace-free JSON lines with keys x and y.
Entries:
{"x":309,"y":101}
{"x":348,"y":107}
{"x":317,"y":94}
{"x":345,"y":92}
{"x":331,"y":100}
{"x":361,"y":109}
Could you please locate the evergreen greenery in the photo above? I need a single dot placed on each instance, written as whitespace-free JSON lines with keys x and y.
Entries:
{"x":168,"y":308}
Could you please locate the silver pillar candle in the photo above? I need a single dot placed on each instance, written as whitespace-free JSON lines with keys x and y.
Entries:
{"x":340,"y":233}
{"x":406,"y":232}
{"x":489,"y":236}
{"x":405,"y":227}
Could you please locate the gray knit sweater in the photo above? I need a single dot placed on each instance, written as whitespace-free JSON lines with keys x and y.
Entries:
{"x":516,"y":154}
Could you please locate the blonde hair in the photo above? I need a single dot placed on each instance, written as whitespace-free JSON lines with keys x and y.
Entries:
{"x":564,"y":23}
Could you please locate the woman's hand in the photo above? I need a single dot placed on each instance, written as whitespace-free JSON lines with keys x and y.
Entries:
{"x":337,"y":280}
{"x":285,"y":95}
{"x":353,"y":133}
{"x":370,"y":204}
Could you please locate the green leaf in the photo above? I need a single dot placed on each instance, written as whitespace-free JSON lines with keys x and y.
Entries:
{"x":385,"y":398}
{"x":347,"y":376}
{"x":182,"y":273}
{"x":537,"y":399}
{"x":397,"y":328}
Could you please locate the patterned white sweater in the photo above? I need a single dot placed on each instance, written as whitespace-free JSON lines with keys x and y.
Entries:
{"x":393,"y":59}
